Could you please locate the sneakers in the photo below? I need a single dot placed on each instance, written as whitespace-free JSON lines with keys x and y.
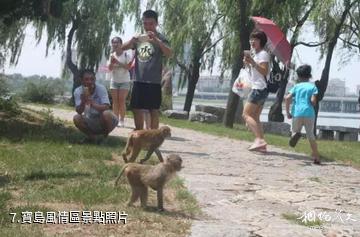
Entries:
{"x":317,"y":161}
{"x":294,"y":139}
{"x":121,"y":124}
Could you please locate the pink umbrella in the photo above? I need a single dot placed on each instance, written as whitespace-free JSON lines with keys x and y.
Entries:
{"x":279,"y":45}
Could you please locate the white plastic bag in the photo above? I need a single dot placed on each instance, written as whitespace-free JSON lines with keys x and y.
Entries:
{"x":242,"y":84}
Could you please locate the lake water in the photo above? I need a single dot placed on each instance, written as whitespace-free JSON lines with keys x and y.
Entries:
{"x":325,"y":118}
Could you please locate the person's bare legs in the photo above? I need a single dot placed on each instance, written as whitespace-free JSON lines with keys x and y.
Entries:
{"x":259,"y":125}
{"x":154,"y":115}
{"x":138,"y":119}
{"x":115,"y":101}
{"x":251,"y":116}
{"x":107,"y":120}
{"x":315,"y":152}
{"x":147,"y":119}
{"x":121,"y":101}
{"x":81,"y":125}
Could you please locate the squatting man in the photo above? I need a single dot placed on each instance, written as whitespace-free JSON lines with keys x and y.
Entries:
{"x":93,"y":107}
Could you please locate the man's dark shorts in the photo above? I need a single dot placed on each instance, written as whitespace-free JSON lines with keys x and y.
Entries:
{"x":145,"y":96}
{"x":258,"y":97}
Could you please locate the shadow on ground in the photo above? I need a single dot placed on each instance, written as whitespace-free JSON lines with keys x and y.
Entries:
{"x":291,"y":156}
{"x":199,"y":154}
{"x":178,"y":139}
{"x":44,"y":175}
{"x":39,"y":126}
{"x":4,"y":179}
{"x":170,"y":213}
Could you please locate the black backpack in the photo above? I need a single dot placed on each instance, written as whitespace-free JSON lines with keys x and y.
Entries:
{"x":273,"y":82}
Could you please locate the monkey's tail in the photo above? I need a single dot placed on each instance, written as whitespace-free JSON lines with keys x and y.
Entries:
{"x":129,"y":143}
{"x":120,"y":174}
{"x":126,"y":150}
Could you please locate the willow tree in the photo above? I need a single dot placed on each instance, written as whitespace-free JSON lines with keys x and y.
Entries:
{"x":11,"y":41}
{"x":351,"y":39}
{"x":192,"y":25}
{"x":85,"y":26}
{"x":15,"y":15}
{"x":332,"y":19}
{"x":351,"y":35}
{"x":237,"y":23}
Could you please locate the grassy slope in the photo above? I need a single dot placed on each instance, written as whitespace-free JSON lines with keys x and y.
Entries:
{"x":42,"y":168}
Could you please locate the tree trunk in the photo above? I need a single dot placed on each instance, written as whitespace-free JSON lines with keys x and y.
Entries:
{"x":233,"y":99}
{"x":166,"y":88}
{"x":275,"y":112}
{"x":244,"y":34}
{"x":323,"y":82}
{"x":193,"y":73}
{"x":69,"y":63}
{"x":193,"y":79}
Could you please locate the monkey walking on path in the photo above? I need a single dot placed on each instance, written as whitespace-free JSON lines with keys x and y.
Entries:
{"x":149,"y":140}
{"x":140,"y":177}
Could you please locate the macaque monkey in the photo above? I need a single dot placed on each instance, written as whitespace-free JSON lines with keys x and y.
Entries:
{"x":149,"y":140}
{"x":140,"y":177}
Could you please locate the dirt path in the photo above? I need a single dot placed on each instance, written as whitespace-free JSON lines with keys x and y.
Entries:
{"x":246,"y":194}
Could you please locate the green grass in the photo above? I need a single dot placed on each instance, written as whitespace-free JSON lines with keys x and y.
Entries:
{"x":49,"y":106}
{"x":296,"y":219}
{"x":188,"y":201}
{"x":315,"y":179}
{"x":42,"y":168}
{"x":341,"y":151}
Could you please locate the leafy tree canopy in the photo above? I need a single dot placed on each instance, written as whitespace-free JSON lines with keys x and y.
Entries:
{"x":95,"y":21}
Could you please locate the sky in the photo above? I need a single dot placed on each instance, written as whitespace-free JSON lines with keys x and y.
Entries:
{"x":33,"y":61}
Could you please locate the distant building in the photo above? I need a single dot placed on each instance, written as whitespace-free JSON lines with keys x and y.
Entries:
{"x":336,"y":87}
{"x":206,"y":83}
{"x":213,"y":83}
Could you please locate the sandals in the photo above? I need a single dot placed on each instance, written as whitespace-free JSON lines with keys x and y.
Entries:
{"x":262,"y":149}
{"x":258,"y":147}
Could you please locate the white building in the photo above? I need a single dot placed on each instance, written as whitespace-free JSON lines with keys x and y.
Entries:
{"x":336,"y":87}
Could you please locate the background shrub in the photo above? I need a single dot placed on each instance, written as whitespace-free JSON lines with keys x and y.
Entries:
{"x":7,"y":101}
{"x":40,"y":92}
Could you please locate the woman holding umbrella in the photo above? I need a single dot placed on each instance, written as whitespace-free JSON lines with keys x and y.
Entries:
{"x":258,"y":61}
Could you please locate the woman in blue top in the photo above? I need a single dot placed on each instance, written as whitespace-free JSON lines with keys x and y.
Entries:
{"x":303,"y":98}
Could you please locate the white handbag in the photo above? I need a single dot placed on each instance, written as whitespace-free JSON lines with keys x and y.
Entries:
{"x":242,"y":84}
